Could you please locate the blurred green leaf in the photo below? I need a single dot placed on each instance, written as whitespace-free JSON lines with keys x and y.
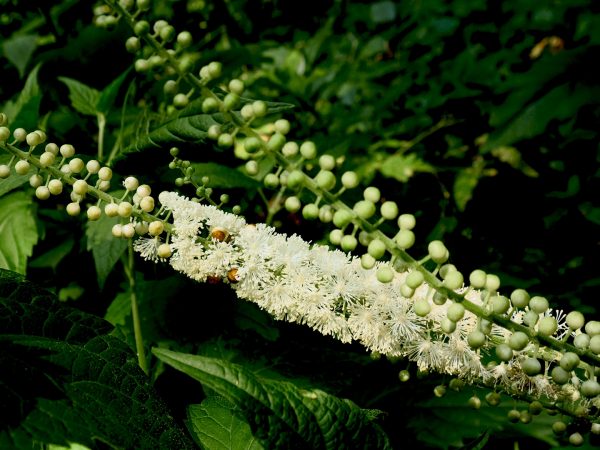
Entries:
{"x":52,"y":258}
{"x":108,"y":95}
{"x":24,"y":111}
{"x":18,"y":50}
{"x":18,"y":231}
{"x":403,"y":167}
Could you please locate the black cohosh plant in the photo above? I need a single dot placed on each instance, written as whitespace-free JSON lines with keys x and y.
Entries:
{"x":422,"y":309}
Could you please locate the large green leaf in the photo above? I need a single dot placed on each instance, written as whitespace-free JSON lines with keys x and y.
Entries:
{"x":83,"y":98}
{"x":190,"y":126}
{"x":64,"y":379}
{"x":217,"y":425}
{"x":18,"y":50}
{"x":23,"y":112}
{"x":106,"y":249}
{"x":14,"y":181}
{"x":18,"y":231}
{"x":281,"y":414}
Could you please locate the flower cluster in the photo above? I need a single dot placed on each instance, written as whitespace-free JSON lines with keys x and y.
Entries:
{"x":332,"y":293}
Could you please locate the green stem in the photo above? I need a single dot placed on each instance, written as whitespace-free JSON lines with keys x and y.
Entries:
{"x":135,"y":314}
{"x":101,"y":128}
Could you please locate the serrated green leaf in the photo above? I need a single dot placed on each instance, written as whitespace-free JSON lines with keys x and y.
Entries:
{"x":83,"y":98}
{"x":108,"y":95}
{"x":190,"y":127}
{"x":403,"y":167}
{"x":24,"y":111}
{"x":218,"y":425}
{"x":283,"y":415}
{"x":64,"y":379}
{"x":222,"y":176}
{"x":18,"y":231}
{"x":18,"y":50}
{"x":106,"y":250}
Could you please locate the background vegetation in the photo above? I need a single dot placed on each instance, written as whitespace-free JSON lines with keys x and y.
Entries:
{"x":481,"y":118}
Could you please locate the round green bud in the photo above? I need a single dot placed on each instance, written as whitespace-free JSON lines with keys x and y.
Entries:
{"x":35,"y":181}
{"x":595,"y":344}
{"x":569,"y":361}
{"x":592,"y":327}
{"x":560,"y":375}
{"x":348,"y":243}
{"x":439,"y":299}
{"x":559,"y":427}
{"x":538,"y":304}
{"x":414,"y":279}
{"x":535,"y":408}
{"x":225,"y":140}
{"x":404,"y":376}
{"x":526,"y":417}
{"x":367,"y":261}
{"x":518,"y":340}
{"x":210,"y":105}
{"x":372,"y":194}
{"x":236,"y":86}
{"x":405,"y":239}
{"x":142,"y":27}
{"x":376,"y":249}
{"x":456,"y":384}
{"x":342,"y":218}
{"x":582,"y":341}
{"x":547,"y":326}
{"x":271,"y":181}
{"x":290,"y":149}
{"x":485,"y":326}
{"x":364,"y":209}
{"x":438,"y":252}
{"x":447,"y":325}
{"x":421,"y":307}
{"x":260,"y":109}
{"x":184,"y":39}
{"x":531,"y":366}
{"x":335,"y":236}
{"x":500,"y":304}
{"x":513,"y":415}
{"x":247,"y":112}
{"x":477,"y":279}
{"x":504,"y":352}
{"x":282,"y":126}
{"x":389,"y":210}
{"x":454,"y":280}
{"x":531,"y":318}
{"x":276,"y":142}
{"x":385,"y":274}
{"x":406,"y":221}
{"x":292,"y":204}
{"x":325,"y":214}
{"x":492,"y":282}
{"x":446,"y":269}
{"x":327,"y":162}
{"x":251,"y":167}
{"x":474,"y":402}
{"x":252,"y":144}
{"x":590,"y":388}
{"x":349,"y":180}
{"x":308,"y":150}
{"x":595,"y":428}
{"x":456,"y":312}
{"x":575,"y":320}
{"x":493,"y":398}
{"x":214,"y":131}
{"x":22,"y":167}
{"x":180,"y":101}
{"x":439,"y":391}
{"x":55,"y":187}
{"x":406,"y":291}
{"x":231,"y":101}
{"x":519,"y":298}
{"x":325,"y":180}
{"x":364,"y":238}
{"x":476,"y":339}
{"x":576,"y":439}
{"x":214,"y":69}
